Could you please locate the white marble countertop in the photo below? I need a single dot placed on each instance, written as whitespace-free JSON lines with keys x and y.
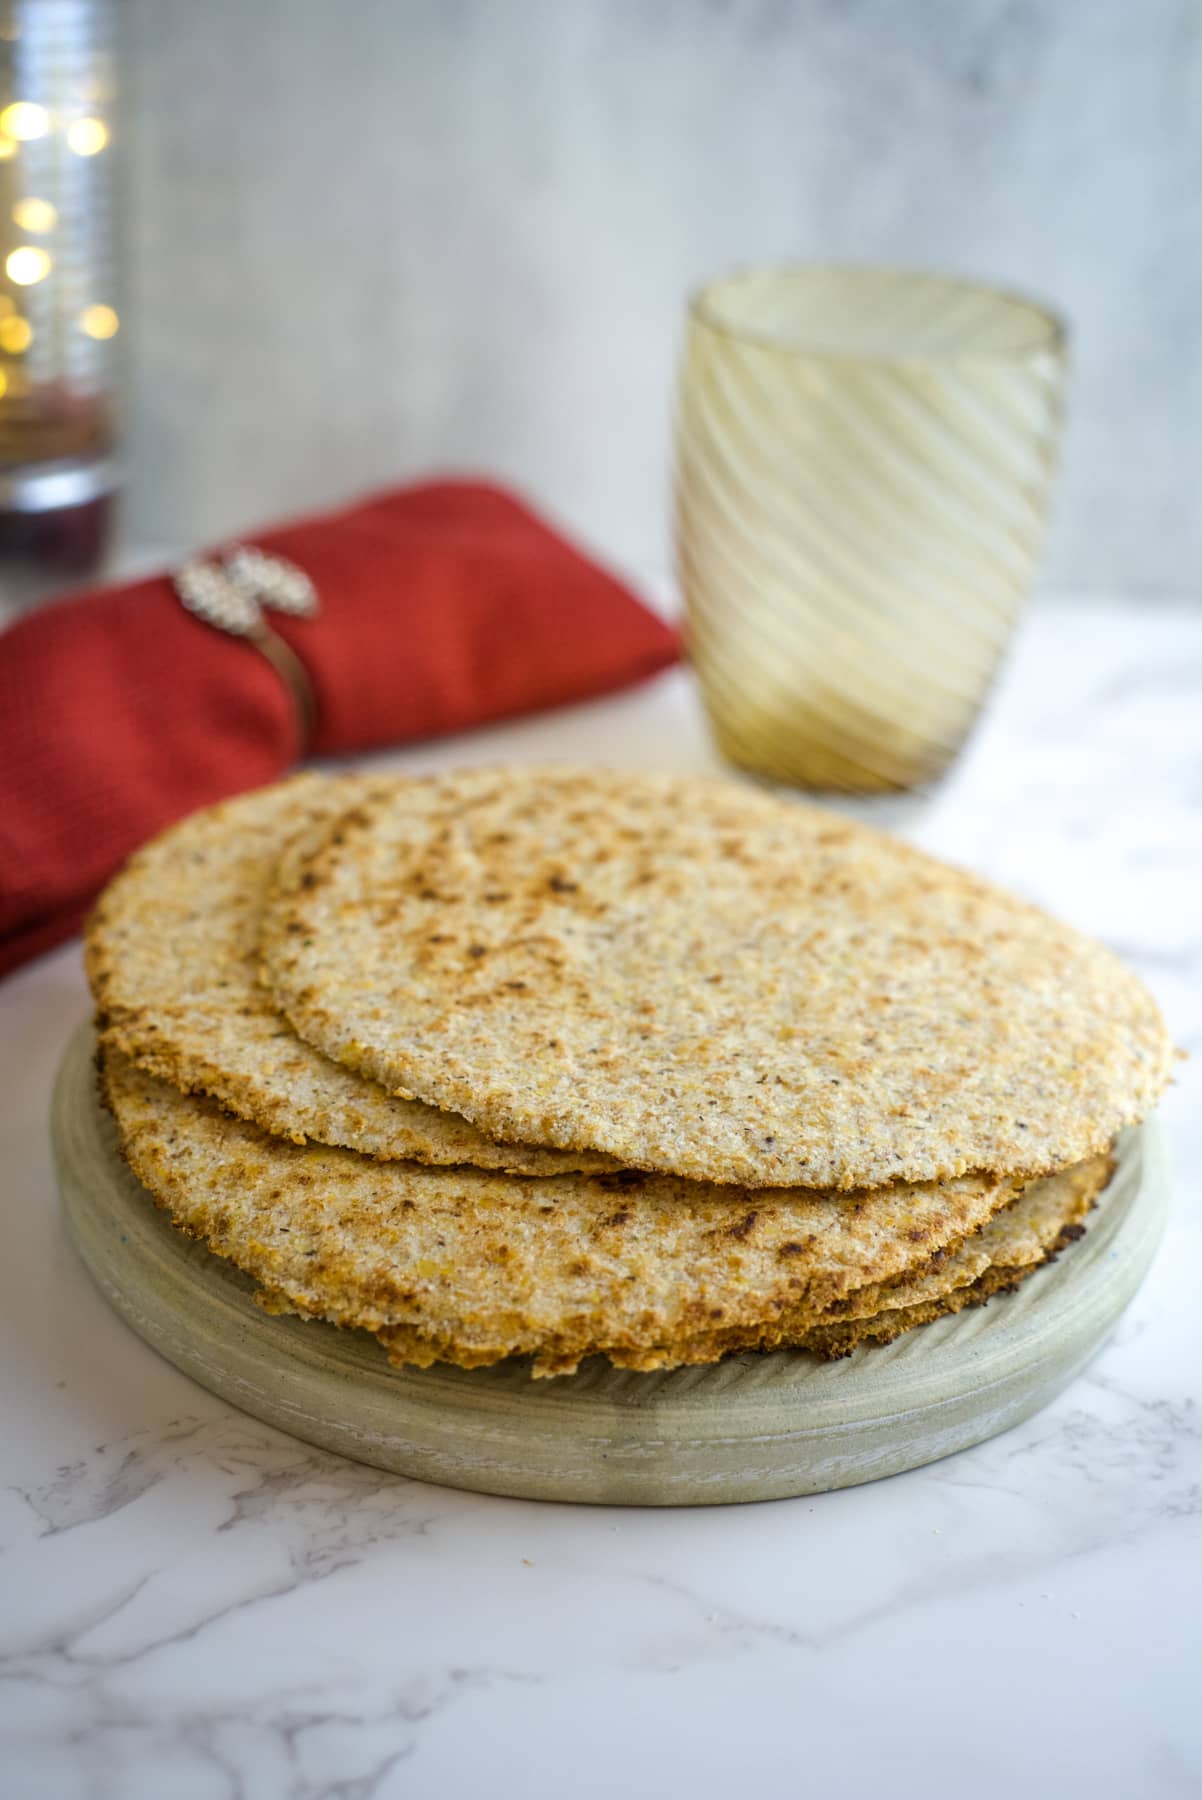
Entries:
{"x":193,"y":1606}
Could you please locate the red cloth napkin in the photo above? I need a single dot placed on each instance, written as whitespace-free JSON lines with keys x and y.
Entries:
{"x":443,"y":606}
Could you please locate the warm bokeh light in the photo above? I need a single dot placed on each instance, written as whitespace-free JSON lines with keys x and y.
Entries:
{"x":99,"y":321}
{"x":8,"y":147}
{"x":24,"y":120}
{"x":35,"y":215}
{"x":86,"y":136}
{"x":15,"y":335}
{"x":27,"y":264}
{"x":3,"y":384}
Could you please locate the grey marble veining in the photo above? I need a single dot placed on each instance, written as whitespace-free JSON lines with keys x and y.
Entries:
{"x":371,"y":240}
{"x":193,"y":1605}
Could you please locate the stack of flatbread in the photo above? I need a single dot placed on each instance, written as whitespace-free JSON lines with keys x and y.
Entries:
{"x":553,"y":1063}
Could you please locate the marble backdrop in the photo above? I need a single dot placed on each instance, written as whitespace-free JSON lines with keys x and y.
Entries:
{"x":377,"y":238}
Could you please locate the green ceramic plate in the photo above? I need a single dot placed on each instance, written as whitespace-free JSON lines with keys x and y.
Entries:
{"x":750,"y":1428}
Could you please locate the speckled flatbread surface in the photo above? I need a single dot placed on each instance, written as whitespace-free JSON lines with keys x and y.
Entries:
{"x":172,"y":957}
{"x":471,"y":1266}
{"x":699,"y":978}
{"x":1045,"y":1218}
{"x":838,"y":1340}
{"x":1020,"y":1234}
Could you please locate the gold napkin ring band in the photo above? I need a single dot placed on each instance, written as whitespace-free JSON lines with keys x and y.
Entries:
{"x":230,"y":593}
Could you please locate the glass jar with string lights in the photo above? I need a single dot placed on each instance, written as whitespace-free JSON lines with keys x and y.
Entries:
{"x":58,"y":312}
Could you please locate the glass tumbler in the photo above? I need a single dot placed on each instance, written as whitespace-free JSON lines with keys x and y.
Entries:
{"x":864,"y":463}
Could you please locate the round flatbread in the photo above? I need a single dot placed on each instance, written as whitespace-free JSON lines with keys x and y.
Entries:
{"x":469,"y":1266}
{"x":172,"y":956}
{"x":700,"y":978}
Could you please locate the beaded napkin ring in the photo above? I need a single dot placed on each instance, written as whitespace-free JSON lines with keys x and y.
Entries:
{"x":230,"y":594}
